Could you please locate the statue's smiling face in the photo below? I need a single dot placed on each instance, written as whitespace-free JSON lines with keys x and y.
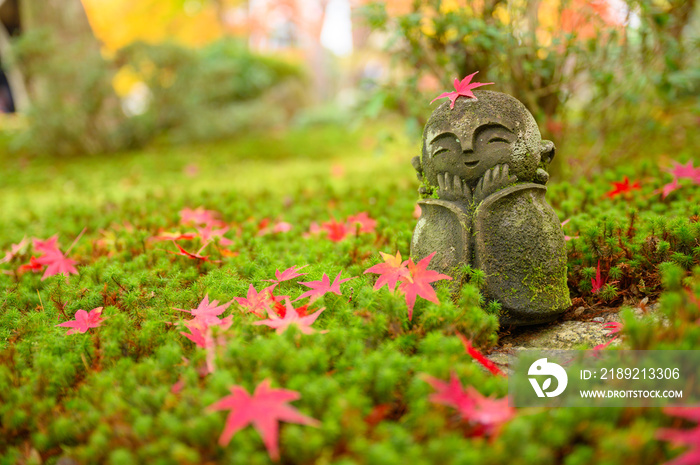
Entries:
{"x":479,"y":134}
{"x":468,"y":154}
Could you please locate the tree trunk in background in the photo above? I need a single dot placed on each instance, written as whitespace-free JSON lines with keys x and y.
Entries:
{"x":13,"y":73}
{"x":69,"y":80}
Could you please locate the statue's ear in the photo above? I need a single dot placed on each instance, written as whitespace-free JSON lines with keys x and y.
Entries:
{"x":547,"y":150}
{"x":415,"y":161}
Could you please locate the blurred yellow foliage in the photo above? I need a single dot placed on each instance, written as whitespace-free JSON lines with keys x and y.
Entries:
{"x":117,"y":23}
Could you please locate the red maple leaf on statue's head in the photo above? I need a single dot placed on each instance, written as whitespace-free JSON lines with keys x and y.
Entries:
{"x":418,"y":283}
{"x":623,"y":187}
{"x":264,"y":409}
{"x":463,"y":88}
{"x":390,"y":271}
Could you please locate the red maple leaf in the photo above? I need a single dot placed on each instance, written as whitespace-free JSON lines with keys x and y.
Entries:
{"x":485,"y":414}
{"x":614,"y":329}
{"x":479,"y":357}
{"x":291,"y":317}
{"x":57,"y":263}
{"x":623,"y":187}
{"x":320,"y":288}
{"x":597,"y":283}
{"x":33,"y":265}
{"x":264,"y":409}
{"x":208,"y":233}
{"x":287,"y":275}
{"x":83,"y":321}
{"x":418,"y":283}
{"x":193,"y":256}
{"x":281,"y":310}
{"x":451,"y":394}
{"x":336,"y":230}
{"x":390,"y":271}
{"x":462,"y":89}
{"x":689,"y":437}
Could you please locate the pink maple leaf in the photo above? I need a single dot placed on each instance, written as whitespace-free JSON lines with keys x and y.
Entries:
{"x":264,"y":228}
{"x":56,"y":263}
{"x":450,"y":394}
{"x":597,"y":282}
{"x":287,"y":275}
{"x":206,"y":308}
{"x":83,"y":321}
{"x":479,"y":357}
{"x":366,"y":223}
{"x":390,"y":271}
{"x":15,"y":249}
{"x":291,"y":317}
{"x":320,"y":288}
{"x":49,"y":246}
{"x":199,"y":216}
{"x":418,"y":283}
{"x":564,"y":223}
{"x":670,"y":187}
{"x":208,"y":233}
{"x":689,"y":437}
{"x":258,"y":303}
{"x":463,"y":88}
{"x":264,"y":409}
{"x":485,"y":414}
{"x":686,"y":171}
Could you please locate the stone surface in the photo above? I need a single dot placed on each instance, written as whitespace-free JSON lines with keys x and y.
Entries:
{"x":482,"y":172}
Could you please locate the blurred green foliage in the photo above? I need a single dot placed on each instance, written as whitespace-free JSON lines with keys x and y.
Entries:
{"x":602,"y":91}
{"x":188,"y":95}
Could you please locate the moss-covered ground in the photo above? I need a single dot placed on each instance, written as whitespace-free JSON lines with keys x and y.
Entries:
{"x":134,"y":390}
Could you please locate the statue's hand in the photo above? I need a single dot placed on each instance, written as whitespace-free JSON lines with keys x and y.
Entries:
{"x":493,"y":180}
{"x":453,"y":188}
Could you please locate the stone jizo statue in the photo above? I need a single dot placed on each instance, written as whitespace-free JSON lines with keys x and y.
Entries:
{"x":483,"y":171}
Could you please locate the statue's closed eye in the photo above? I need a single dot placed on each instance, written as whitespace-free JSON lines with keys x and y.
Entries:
{"x":441,"y":150}
{"x":497,"y":139}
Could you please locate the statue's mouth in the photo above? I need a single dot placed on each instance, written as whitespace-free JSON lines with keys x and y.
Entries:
{"x":471,"y":164}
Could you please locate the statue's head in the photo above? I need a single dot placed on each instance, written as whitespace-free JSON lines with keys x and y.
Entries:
{"x":478,"y":134}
